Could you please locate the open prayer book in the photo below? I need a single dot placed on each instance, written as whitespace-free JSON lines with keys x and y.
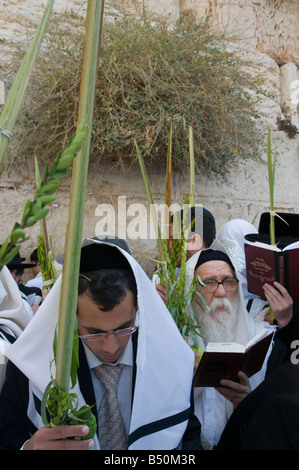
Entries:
{"x":225,"y":360}
{"x":268,"y":263}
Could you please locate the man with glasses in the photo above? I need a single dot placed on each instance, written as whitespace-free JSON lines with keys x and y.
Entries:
{"x":221,"y":313}
{"x":217,"y":283}
{"x":123,"y":325}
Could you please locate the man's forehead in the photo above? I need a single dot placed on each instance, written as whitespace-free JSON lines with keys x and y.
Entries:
{"x":213,"y":268}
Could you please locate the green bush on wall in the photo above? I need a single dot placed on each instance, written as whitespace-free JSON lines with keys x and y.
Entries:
{"x":149,"y":75}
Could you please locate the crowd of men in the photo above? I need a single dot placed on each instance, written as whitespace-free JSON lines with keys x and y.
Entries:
{"x":128,"y":337}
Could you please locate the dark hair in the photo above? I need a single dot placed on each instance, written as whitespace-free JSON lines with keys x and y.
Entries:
{"x":19,"y":270}
{"x":34,"y":257}
{"x":209,"y":231}
{"x":208,"y":223}
{"x":108,"y":287}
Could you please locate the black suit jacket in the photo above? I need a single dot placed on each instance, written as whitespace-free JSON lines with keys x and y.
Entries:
{"x":282,"y":345}
{"x":16,"y":427}
{"x":267,"y":419}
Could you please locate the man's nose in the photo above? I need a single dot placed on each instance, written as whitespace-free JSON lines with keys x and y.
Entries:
{"x":111,"y":343}
{"x":220,"y":291}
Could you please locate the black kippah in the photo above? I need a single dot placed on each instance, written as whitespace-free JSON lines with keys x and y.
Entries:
{"x":101,"y":256}
{"x":114,"y":241}
{"x":211,"y":255}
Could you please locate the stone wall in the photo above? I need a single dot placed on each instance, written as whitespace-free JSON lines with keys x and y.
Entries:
{"x":267,"y":32}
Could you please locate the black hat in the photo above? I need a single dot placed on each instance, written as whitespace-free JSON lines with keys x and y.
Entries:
{"x":17,"y":262}
{"x":102,"y":256}
{"x":199,"y":210}
{"x":211,"y":255}
{"x":114,"y":241}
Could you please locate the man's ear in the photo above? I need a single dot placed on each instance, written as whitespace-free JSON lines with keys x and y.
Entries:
{"x":13,"y":273}
{"x":195,"y":243}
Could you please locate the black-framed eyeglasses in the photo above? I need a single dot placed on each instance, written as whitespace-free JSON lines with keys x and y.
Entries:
{"x":211,"y":285}
{"x":117,"y":333}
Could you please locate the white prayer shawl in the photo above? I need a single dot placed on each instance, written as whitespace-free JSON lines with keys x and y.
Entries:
{"x":211,"y":408}
{"x":164,"y":364}
{"x":13,"y":315}
{"x":231,"y":236}
{"x":37,"y":281}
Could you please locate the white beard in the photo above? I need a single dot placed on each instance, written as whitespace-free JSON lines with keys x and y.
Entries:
{"x":217,"y":326}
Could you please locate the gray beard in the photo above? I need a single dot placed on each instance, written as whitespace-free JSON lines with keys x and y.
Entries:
{"x":220,"y":326}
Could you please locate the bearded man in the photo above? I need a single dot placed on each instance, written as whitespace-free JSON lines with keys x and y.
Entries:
{"x":223,"y":317}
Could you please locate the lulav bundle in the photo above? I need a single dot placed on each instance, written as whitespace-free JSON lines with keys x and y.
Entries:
{"x":47,"y":267}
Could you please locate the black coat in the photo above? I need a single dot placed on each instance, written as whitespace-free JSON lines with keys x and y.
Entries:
{"x":268,"y":418}
{"x":16,"y":427}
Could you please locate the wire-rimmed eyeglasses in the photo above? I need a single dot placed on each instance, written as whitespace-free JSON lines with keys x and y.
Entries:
{"x":117,"y":333}
{"x":211,"y":285}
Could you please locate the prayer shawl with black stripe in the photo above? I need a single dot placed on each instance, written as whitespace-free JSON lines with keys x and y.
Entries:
{"x":164,"y":366}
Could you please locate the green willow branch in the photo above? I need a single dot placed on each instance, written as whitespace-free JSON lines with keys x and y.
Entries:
{"x":46,"y":262}
{"x":72,"y":251}
{"x":151,"y":203}
{"x":168,"y":184}
{"x":35,"y":210}
{"x":271,"y":176}
{"x":44,"y":248}
{"x":62,"y":405}
{"x":179,"y":303}
{"x":192,"y":165}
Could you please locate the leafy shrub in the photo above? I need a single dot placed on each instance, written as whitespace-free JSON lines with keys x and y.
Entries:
{"x":150,"y":74}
